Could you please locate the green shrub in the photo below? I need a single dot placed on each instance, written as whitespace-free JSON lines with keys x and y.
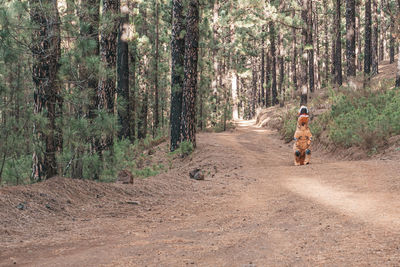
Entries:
{"x":185,"y":149}
{"x":289,"y":123}
{"x":365,"y":119}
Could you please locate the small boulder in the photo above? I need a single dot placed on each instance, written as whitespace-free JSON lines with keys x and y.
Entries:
{"x":196,"y":174}
{"x":125,"y":177}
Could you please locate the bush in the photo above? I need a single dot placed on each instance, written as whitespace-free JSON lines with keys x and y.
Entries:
{"x":288,"y":126}
{"x":365,"y":120}
{"x":185,"y":149}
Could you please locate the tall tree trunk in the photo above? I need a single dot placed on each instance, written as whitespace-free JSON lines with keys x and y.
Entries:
{"x":294,"y":58}
{"x":177,"y":55}
{"x":268,"y":80}
{"x":391,"y":42}
{"x":262,"y":85}
{"x":273,"y":66}
{"x":382,"y":35}
{"x":374,"y":37}
{"x":254,"y":86}
{"x":338,"y":46}
{"x":326,"y":42}
{"x":156,"y":93}
{"x":367,"y":49}
{"x":398,"y":69}
{"x":281,"y":71}
{"x":358,"y":38}
{"x":350,"y":38}
{"x":108,"y":54}
{"x":305,"y":54}
{"x":317,"y":58}
{"x":145,"y":81}
{"x":132,"y":120}
{"x":124,"y":107}
{"x":216,"y":68}
{"x":310,"y":43}
{"x":190,"y":70}
{"x":46,"y":53}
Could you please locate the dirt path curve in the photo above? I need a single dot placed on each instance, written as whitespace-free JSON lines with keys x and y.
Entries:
{"x":261,"y":212}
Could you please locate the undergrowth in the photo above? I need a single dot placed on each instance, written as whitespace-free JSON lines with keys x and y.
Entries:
{"x":365,"y":118}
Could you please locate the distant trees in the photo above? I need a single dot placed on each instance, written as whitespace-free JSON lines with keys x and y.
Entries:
{"x":98,"y":77}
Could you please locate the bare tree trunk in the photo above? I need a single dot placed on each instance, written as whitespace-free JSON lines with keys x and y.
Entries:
{"x":327,"y":69}
{"x":156,"y":93}
{"x":273,"y":67}
{"x":108,"y":53}
{"x":374,"y":37}
{"x":177,"y":55}
{"x":262,"y":85}
{"x":46,"y":53}
{"x":305,"y":54}
{"x":398,"y":69}
{"x":310,"y":43}
{"x":382,"y":39}
{"x":350,"y":38}
{"x":216,"y":76}
{"x":254,"y":86}
{"x":367,"y":49}
{"x":145,"y":84}
{"x":268,"y":80}
{"x":294,"y":58}
{"x":124,"y":107}
{"x":190,"y":69}
{"x":358,"y":38}
{"x":338,"y":46}
{"x":392,"y":42}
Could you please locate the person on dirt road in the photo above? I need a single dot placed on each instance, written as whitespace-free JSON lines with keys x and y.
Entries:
{"x":302,"y":138}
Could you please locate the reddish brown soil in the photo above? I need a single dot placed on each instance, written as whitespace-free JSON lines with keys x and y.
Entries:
{"x":253,"y":209}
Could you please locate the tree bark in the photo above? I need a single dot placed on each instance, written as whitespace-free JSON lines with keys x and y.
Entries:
{"x":108,"y":55}
{"x":145,"y":81}
{"x":273,"y":66}
{"x":350,"y":38}
{"x":268,"y":80}
{"x":177,"y":55}
{"x":124,"y":107}
{"x":326,"y":43}
{"x":358,"y":38}
{"x":367,"y":49}
{"x":374,"y":37}
{"x":262,"y":85}
{"x":398,"y":70}
{"x":305,"y":55}
{"x":294,"y":56}
{"x":190,"y":70}
{"x":392,"y":42}
{"x":338,"y":46}
{"x":46,"y":51}
{"x":156,"y":93}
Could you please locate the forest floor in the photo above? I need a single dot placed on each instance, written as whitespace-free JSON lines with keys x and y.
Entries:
{"x":254,"y":208}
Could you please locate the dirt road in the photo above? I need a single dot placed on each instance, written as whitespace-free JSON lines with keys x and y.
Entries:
{"x":255,"y":210}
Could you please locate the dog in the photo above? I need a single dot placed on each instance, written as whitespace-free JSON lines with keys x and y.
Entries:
{"x":302,"y":138}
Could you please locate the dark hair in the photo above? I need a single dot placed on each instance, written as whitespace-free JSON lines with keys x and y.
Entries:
{"x":304,"y":111}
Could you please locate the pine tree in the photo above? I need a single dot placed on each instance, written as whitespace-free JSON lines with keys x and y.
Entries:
{"x":338,"y":46}
{"x":368,"y":40}
{"x":46,"y":55}
{"x":108,"y":54}
{"x":124,"y":98}
{"x":190,"y":70}
{"x":350,"y":38}
{"x":177,"y":55}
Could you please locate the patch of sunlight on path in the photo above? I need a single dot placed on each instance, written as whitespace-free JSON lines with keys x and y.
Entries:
{"x":369,"y":207}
